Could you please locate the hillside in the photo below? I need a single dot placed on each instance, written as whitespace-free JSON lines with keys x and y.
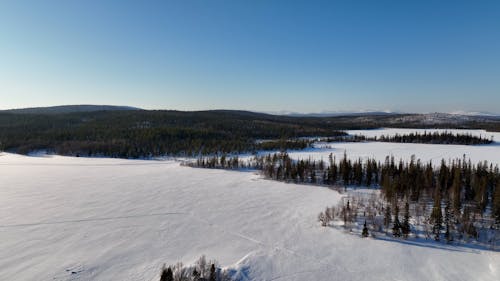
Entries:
{"x":99,"y":131}
{"x":68,"y":109}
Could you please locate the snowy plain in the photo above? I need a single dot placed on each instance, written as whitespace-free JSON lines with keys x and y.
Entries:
{"x":424,"y":152}
{"x":64,"y":218}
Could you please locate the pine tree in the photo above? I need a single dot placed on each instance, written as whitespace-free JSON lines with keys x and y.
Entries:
{"x":196,"y":275}
{"x":365,"y":230}
{"x":396,"y":228}
{"x":437,"y":216}
{"x":447,"y":221}
{"x":405,"y":227}
{"x":387,"y":217}
{"x":313,"y":177}
{"x":496,"y":202}
{"x":456,"y":190}
{"x":212,"y":276}
{"x":167,"y":275}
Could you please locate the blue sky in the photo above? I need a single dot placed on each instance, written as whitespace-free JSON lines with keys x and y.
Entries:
{"x":301,"y":56}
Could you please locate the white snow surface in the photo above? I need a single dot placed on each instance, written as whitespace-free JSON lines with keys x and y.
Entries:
{"x":64,"y":218}
{"x":424,"y":152}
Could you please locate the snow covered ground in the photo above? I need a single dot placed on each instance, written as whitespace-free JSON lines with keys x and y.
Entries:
{"x":424,"y":152}
{"x":379,"y":150}
{"x":64,"y":218}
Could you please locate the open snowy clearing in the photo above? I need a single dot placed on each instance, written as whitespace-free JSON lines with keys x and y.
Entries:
{"x":424,"y":152}
{"x":65,"y":218}
{"x":379,"y":151}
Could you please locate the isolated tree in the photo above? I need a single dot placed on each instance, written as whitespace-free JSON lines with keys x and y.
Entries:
{"x":365,"y":230}
{"x":323,"y":219}
{"x":212,"y":276}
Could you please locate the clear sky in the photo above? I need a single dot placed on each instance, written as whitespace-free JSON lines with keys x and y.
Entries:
{"x":302,"y":56}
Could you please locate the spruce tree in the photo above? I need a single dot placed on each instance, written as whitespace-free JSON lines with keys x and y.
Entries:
{"x":447,"y":221}
{"x":365,"y":230}
{"x":167,"y":275}
{"x":396,"y":228}
{"x":196,"y":275}
{"x":212,"y":276}
{"x":456,"y":190}
{"x":405,"y":227}
{"x":496,"y":202}
{"x":437,"y":216}
{"x":387,"y":218}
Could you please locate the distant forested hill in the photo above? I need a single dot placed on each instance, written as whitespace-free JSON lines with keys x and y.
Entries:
{"x":69,"y":109}
{"x":142,"y":133}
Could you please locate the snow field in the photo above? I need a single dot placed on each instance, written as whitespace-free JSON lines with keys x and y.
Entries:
{"x":64,"y":218}
{"x":424,"y":152}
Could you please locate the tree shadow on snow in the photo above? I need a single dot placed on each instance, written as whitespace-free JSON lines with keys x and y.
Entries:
{"x":424,"y":243}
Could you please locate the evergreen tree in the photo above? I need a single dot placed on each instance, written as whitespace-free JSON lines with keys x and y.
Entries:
{"x":456,"y":190}
{"x":313,"y":176}
{"x":496,"y":202}
{"x":167,"y":275}
{"x":213,"y":274}
{"x":365,"y":230}
{"x":437,"y":216}
{"x":396,"y":228}
{"x":387,"y":217}
{"x":405,"y":227}
{"x":196,"y":275}
{"x":447,"y":221}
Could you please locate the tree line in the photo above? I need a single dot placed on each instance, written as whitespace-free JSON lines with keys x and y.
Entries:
{"x":149,"y":133}
{"x":436,"y":138}
{"x":454,"y":197}
{"x":426,"y":137}
{"x":202,"y":270}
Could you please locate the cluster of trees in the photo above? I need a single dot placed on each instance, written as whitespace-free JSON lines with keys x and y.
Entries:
{"x":436,"y":138}
{"x":365,"y":215}
{"x":203,"y":270}
{"x":455,"y":197}
{"x":475,"y":186}
{"x":373,"y":215}
{"x":284,"y":144}
{"x":427,"y":137}
{"x":219,"y":162}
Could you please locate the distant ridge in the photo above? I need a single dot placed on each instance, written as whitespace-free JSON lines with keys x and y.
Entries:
{"x":337,"y":114}
{"x":69,"y":109}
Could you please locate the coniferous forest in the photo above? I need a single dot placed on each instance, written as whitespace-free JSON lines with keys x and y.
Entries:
{"x":426,"y":137}
{"x":149,"y":133}
{"x":450,"y":201}
{"x":436,"y":138}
